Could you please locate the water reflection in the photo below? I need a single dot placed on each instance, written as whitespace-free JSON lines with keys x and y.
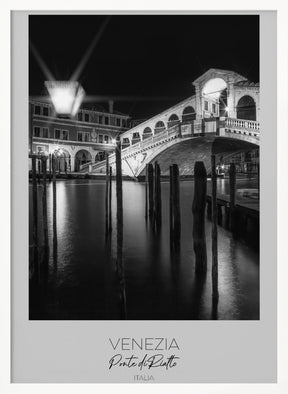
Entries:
{"x":149,"y":281}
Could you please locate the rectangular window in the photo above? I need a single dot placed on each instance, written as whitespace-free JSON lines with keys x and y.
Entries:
{"x":100,"y":138}
{"x":65,"y":135}
{"x":118,"y":122}
{"x":100,"y":119}
{"x":214,"y":108}
{"x":36,"y":131}
{"x":37,"y":110}
{"x":206,"y":105}
{"x":80,"y":116}
{"x":106,"y":139}
{"x":45,"y":132}
{"x":86,"y":117}
{"x":57,"y":134}
{"x":106,"y":120}
{"x":83,"y":136}
{"x":45,"y":111}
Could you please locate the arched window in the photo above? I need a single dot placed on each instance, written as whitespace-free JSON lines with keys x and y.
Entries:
{"x":188,"y":114}
{"x":135,"y":138}
{"x":147,"y":133}
{"x":173,"y":120}
{"x":160,"y":126}
{"x":125,"y":143}
{"x":246,"y":108}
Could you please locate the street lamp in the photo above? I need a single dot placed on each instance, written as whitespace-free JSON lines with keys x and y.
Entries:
{"x":66,"y":96}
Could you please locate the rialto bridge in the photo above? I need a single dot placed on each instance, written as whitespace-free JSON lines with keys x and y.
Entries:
{"x":222,"y":118}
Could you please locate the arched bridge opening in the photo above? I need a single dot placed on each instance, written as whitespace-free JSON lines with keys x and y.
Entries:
{"x":187,"y":152}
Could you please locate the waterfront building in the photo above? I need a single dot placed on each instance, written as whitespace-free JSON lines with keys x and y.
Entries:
{"x":75,"y":141}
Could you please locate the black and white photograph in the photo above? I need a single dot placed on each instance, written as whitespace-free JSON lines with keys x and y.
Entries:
{"x":144,"y":167}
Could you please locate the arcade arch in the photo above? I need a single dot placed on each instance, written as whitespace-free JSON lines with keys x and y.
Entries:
{"x":246,"y":108}
{"x":82,"y":157}
{"x":160,"y":126}
{"x":188,"y":114}
{"x":173,"y":120}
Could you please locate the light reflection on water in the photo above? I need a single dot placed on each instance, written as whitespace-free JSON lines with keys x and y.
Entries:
{"x":82,"y":283}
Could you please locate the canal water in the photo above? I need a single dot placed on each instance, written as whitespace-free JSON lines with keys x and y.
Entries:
{"x":81,"y":281}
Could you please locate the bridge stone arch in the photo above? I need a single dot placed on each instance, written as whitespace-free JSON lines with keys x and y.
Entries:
{"x":187,"y":151}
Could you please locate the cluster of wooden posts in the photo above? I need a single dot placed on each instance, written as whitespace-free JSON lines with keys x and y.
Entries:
{"x":50,"y":160}
{"x":153,"y":211}
{"x":198,"y":210}
{"x":42,"y":164}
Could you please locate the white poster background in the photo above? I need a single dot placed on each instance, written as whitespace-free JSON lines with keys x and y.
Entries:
{"x":282,"y":160}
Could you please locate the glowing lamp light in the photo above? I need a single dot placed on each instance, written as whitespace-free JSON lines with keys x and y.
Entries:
{"x":66,"y":96}
{"x":113,"y":141}
{"x":226,"y":109}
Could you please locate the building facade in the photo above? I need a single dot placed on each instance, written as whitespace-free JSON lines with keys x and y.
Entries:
{"x":77,"y":141}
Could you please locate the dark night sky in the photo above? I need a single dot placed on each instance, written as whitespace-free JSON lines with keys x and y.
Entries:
{"x":143,"y":55}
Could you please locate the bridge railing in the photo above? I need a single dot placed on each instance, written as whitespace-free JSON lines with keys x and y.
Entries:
{"x":85,"y":165}
{"x":249,"y":125}
{"x":167,"y":133}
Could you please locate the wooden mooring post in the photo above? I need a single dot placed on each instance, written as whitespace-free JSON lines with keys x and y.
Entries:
{"x":171,"y":220}
{"x":146,"y":191}
{"x":258,"y":178}
{"x":35,"y":217}
{"x":219,"y":214}
{"x":110,"y":199}
{"x":107,"y":196}
{"x":232,"y":184}
{"x":215,"y":293}
{"x":151,"y":190}
{"x":157,"y":197}
{"x":198,"y":210}
{"x":54,"y":199}
{"x":119,"y":216}
{"x":176,"y":206}
{"x":44,"y":204}
{"x":39,"y":169}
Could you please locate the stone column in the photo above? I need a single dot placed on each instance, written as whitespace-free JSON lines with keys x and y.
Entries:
{"x":72,"y":163}
{"x":198,"y":108}
{"x":231,"y":99}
